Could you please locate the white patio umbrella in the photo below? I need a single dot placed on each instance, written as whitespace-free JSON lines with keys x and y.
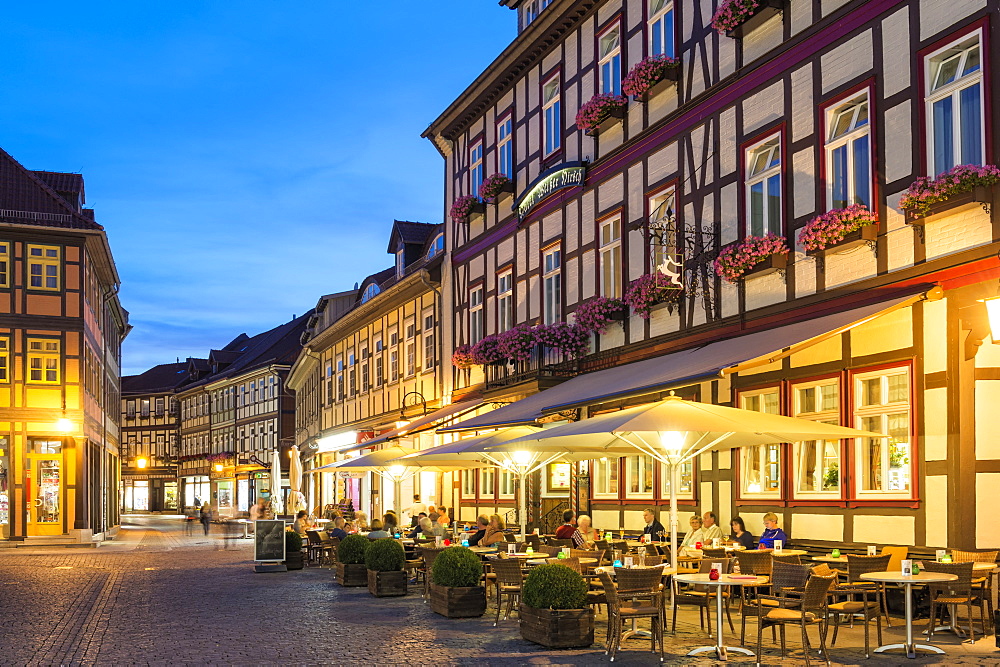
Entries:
{"x":674,"y":431}
{"x":391,"y":464}
{"x":276,"y":502}
{"x":296,"y":501}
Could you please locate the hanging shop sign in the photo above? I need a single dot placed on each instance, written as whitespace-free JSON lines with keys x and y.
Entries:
{"x":350,"y":474}
{"x":566,"y":175}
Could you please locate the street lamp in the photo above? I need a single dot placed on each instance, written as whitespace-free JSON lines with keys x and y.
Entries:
{"x":141,"y":463}
{"x":993,"y":314}
{"x":64,"y":425}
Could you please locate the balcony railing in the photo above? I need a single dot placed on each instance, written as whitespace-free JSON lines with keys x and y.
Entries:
{"x":544,"y":364}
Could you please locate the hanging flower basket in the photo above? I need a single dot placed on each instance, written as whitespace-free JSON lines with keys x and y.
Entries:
{"x":517,"y":343}
{"x":462,"y":357}
{"x":600,"y":112}
{"x":596,"y":315}
{"x":840,"y":228}
{"x":960,"y":185}
{"x":650,"y":76}
{"x":487,"y":351}
{"x":570,"y":339}
{"x":651,"y":289}
{"x":466,"y":206}
{"x":738,"y":18}
{"x":495,"y":187}
{"x":752,"y":255}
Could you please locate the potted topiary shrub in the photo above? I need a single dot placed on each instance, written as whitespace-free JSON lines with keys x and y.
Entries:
{"x":293,"y":550}
{"x":385,"y":559}
{"x":554,"y":609}
{"x":351,"y":569}
{"x":455,"y":584}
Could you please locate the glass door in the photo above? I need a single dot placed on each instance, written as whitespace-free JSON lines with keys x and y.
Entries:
{"x":43,"y":482}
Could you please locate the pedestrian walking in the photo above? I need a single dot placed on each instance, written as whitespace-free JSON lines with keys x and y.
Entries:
{"x":206,"y":517}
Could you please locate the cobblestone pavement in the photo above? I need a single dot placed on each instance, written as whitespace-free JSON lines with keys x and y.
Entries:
{"x":159,"y":596}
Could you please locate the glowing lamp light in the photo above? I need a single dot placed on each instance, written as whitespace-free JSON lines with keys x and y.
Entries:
{"x":218,"y":467}
{"x":402,"y":424}
{"x":672,"y":442}
{"x":397,"y":470}
{"x":64,"y":425}
{"x":993,"y":313}
{"x":521,"y":459}
{"x":141,"y":463}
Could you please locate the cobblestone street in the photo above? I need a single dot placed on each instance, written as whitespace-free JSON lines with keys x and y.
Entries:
{"x":159,"y":596}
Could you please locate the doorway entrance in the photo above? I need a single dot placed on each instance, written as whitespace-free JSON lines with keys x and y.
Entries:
{"x":43,"y":477}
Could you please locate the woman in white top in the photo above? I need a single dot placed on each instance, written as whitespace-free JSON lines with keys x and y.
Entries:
{"x":695,"y":535}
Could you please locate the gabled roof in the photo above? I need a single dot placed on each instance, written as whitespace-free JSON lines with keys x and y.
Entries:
{"x":27,"y":199}
{"x":410,"y":233}
{"x":237,"y":343}
{"x":63,"y":182}
{"x":158,"y":379}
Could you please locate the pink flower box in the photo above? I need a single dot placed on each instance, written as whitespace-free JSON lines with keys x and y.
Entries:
{"x":758,"y":255}
{"x":737,"y":18}
{"x":466,"y":206}
{"x":600,"y":112}
{"x":650,"y":76}
{"x":832,"y":229}
{"x":960,"y":185}
{"x":495,"y":186}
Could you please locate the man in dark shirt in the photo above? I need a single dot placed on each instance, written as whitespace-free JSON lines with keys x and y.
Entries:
{"x":481,"y":523}
{"x":653,"y":527}
{"x":338,"y":528}
{"x":565,"y":531}
{"x":418,"y":530}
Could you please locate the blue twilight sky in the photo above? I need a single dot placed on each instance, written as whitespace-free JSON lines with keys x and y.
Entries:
{"x":245,"y":157}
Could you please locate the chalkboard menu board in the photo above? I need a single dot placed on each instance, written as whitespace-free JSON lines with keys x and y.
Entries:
{"x":269,"y":540}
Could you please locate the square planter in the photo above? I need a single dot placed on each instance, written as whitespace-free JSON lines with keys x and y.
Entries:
{"x":558,"y":628}
{"x":478,"y":209}
{"x":453,"y":602}
{"x":768,"y":265}
{"x":670,"y":78}
{"x":352,"y":574}
{"x":387,"y":584}
{"x":980,"y":195}
{"x":293,"y":561}
{"x":765,"y":10}
{"x":866,"y":234}
{"x":506,"y":191}
{"x":609,"y":120}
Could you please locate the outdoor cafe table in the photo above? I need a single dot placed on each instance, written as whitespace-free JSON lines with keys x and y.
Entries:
{"x":897,"y":577}
{"x":720,"y":647}
{"x":665,"y":571}
{"x":842,"y":559}
{"x":585,"y":562}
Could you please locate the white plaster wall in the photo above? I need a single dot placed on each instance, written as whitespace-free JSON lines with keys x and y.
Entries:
{"x":898,"y":151}
{"x":826,"y":527}
{"x":552,"y":226}
{"x":802,"y":110}
{"x":636,"y":255}
{"x":572,"y":224}
{"x":936,"y":15}
{"x":936,"y":507}
{"x":896,"y":53}
{"x":899,"y":236}
{"x":881,"y":530}
{"x":662,"y":163}
{"x":969,"y":227}
{"x":892,"y":331}
{"x":829,"y":6}
{"x":725,"y":463}
{"x":765,"y":368}
{"x":987,"y":434}
{"x":505,"y":251}
{"x":935,"y":431}
{"x":587,"y":229}
{"x":851,"y":266}
{"x":763,"y":107}
{"x":987,"y":525}
{"x":820,"y":353}
{"x":730,"y":299}
{"x":634,"y":520}
{"x":521,"y":299}
{"x":727,"y":55}
{"x":534,"y":246}
{"x":803,"y":192}
{"x":571,"y":282}
{"x":761,"y":40}
{"x":729,"y":213}
{"x":727,"y":141}
{"x":604,"y":519}
{"x":615,"y":337}
{"x":847,"y":61}
{"x":662,"y":322}
{"x":725,"y":508}
{"x":534,"y":304}
{"x":988,"y":355}
{"x":608,"y":10}
{"x":636,"y":203}
{"x":610,"y":192}
{"x":764,"y":290}
{"x":935,"y":315}
{"x":805,"y":275}
{"x":570,"y":45}
{"x":801,"y":15}
{"x":477,"y":267}
{"x":589,"y":267}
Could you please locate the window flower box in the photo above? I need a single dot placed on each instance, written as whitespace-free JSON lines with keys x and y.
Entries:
{"x":753,"y":256}
{"x":958,"y":187}
{"x":650,"y":77}
{"x":738,"y":18}
{"x":463,"y":358}
{"x":650,"y":290}
{"x":486,"y":351}
{"x":601,"y":112}
{"x":495,"y":188}
{"x":596,"y":315}
{"x":572,"y":340}
{"x":466,"y":207}
{"x":838,"y":230}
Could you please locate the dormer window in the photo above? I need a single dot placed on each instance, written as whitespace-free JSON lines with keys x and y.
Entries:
{"x":370,"y":292}
{"x":436,"y":247}
{"x":400,"y":263}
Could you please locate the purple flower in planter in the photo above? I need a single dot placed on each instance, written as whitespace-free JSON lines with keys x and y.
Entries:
{"x":737,"y":258}
{"x":461,"y":208}
{"x":597,"y":108}
{"x":517,"y":343}
{"x":487,"y":350}
{"x":732,"y":13}
{"x":462,"y":357}
{"x":647,"y":73}
{"x":493,"y":186}
{"x":595,"y":315}
{"x":650,"y":289}
{"x":925,"y":192}
{"x":570,"y":339}
{"x":830,"y":227}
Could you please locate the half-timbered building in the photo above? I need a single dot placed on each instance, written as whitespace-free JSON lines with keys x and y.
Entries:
{"x":761,"y":134}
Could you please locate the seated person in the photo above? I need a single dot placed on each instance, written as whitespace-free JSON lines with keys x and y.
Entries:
{"x":494,"y":532}
{"x":653,"y":527}
{"x":710,"y":528}
{"x":482,"y":523}
{"x":389,"y":523}
{"x":443,"y":517}
{"x":589,"y":534}
{"x":771,"y":533}
{"x":416,"y":531}
{"x":377,"y":530}
{"x":566,"y":531}
{"x":740,"y":533}
{"x":338,"y":528}
{"x":301,"y":523}
{"x":695,"y":535}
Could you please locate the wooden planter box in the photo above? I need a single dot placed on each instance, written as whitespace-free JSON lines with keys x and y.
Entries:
{"x":453,"y":602}
{"x":505,"y":192}
{"x":980,"y":195}
{"x":618,"y":316}
{"x":670,"y":78}
{"x":610,"y":119}
{"x":772,"y":264}
{"x":866,"y":234}
{"x":293,"y":561}
{"x":352,"y":574}
{"x":558,"y":628}
{"x":387,"y":584}
{"x":478,"y":209}
{"x":765,"y":10}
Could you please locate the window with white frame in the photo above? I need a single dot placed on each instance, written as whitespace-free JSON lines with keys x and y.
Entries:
{"x":760,"y":465}
{"x":763,"y":187}
{"x":639,"y":476}
{"x":505,"y":147}
{"x":430,"y":358}
{"x":817,"y":462}
{"x":365,"y":377}
{"x":848,"y":153}
{"x":552,"y":126}
{"x":411,"y":347}
{"x":44,"y":360}
{"x":379,"y":363}
{"x":468,"y":483}
{"x":393,"y":355}
{"x":685,"y":488}
{"x":487,"y":482}
{"x":955,"y":130}
{"x":660,"y":28}
{"x":506,"y":484}
{"x":611,"y":257}
{"x":370,"y":292}
{"x":604,"y":478}
{"x":662,"y":240}
{"x":882,"y":405}
{"x":340,"y":378}
{"x":476,"y":168}
{"x":475,"y":315}
{"x":436,"y":247}
{"x":352,"y":374}
{"x":505,"y":301}
{"x":609,"y":64}
{"x":552,"y":284}
{"x":400,"y":264}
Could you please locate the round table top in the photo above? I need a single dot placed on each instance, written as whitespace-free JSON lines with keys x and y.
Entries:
{"x":632,"y":544}
{"x":786,"y":552}
{"x":723,"y":580}
{"x":610,"y":569}
{"x":897,"y":577}
{"x":543,"y":561}
{"x":827,"y":558}
{"x":699,"y":552}
{"x":483,"y":550}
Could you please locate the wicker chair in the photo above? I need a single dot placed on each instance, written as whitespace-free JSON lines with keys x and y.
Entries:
{"x":785,"y":580}
{"x":709,"y":552}
{"x":571,"y":563}
{"x":428,"y":554}
{"x":555,"y":542}
{"x":602,"y":544}
{"x":510,"y":537}
{"x":981,"y":585}
{"x":954,"y":593}
{"x":702,"y":596}
{"x":642,"y":586}
{"x":754,"y":562}
{"x":872,"y":602}
{"x":508,"y":571}
{"x":791,"y":559}
{"x":534,"y":540}
{"x":803,"y":610}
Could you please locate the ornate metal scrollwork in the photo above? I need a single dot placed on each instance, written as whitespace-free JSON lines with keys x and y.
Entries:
{"x":684,"y":254}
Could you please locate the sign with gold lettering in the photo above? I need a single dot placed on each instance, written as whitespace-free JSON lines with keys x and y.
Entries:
{"x":567,"y":175}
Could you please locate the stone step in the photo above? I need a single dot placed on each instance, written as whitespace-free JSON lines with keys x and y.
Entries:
{"x":54,"y":541}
